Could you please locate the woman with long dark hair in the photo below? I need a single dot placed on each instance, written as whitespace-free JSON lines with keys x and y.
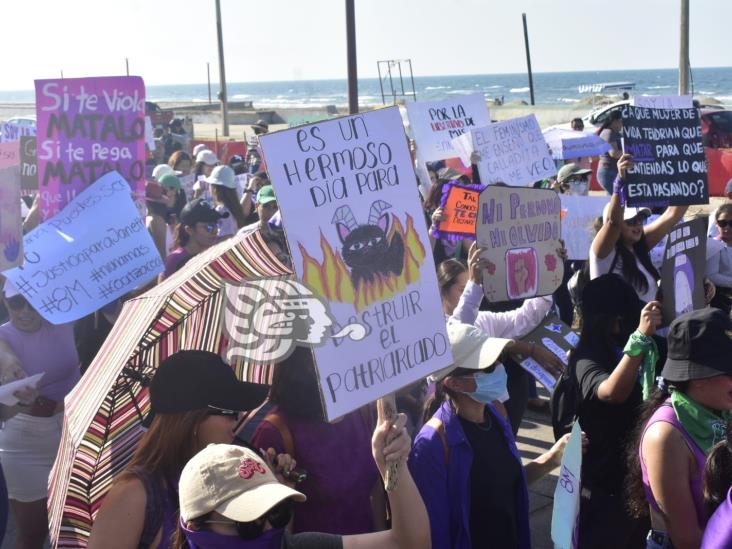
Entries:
{"x":161,"y":197}
{"x":195,"y":399}
{"x":623,"y":242}
{"x":611,"y":365}
{"x":680,"y":425}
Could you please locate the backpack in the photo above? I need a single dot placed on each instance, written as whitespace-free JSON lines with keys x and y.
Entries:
{"x":564,"y":402}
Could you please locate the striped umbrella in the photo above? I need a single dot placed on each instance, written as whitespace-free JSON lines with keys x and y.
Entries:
{"x":103,"y":412}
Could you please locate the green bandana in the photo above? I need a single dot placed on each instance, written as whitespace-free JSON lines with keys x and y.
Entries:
{"x":703,"y":425}
{"x":640,"y":344}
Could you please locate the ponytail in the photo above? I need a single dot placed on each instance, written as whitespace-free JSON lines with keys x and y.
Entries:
{"x":433,"y":403}
{"x":718,"y":473}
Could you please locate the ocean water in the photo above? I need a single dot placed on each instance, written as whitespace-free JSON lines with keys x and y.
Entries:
{"x":558,"y":88}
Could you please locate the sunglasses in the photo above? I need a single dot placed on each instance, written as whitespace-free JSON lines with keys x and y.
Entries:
{"x":724,"y":223}
{"x":279,"y":516}
{"x":17,"y":302}
{"x":213,"y":411}
{"x":635,"y":221}
{"x":211,"y":228}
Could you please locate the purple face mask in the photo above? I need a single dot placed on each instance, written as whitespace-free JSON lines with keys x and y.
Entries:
{"x":271,"y":539}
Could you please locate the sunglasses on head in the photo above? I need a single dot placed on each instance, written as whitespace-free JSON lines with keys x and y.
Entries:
{"x":17,"y":302}
{"x":213,"y":411}
{"x":724,"y":223}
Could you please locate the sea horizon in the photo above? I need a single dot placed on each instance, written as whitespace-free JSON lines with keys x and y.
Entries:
{"x":551,"y":88}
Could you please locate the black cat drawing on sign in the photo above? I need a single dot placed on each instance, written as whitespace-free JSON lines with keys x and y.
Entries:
{"x":365,"y":247}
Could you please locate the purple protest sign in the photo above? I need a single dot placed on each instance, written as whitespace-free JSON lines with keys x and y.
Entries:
{"x":88,"y":127}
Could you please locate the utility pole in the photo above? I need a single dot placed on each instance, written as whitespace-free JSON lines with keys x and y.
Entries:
{"x":208,"y":77}
{"x":684,"y":49}
{"x":127,"y":64}
{"x":222,"y":74}
{"x":528,"y":58}
{"x":351,"y":55}
{"x":62,"y":74}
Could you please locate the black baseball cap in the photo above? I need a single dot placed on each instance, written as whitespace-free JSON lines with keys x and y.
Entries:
{"x":195,"y":380}
{"x":200,"y":210}
{"x":610,"y":295}
{"x":699,"y":346}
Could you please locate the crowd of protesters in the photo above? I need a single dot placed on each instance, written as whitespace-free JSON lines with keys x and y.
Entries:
{"x":653,"y":404}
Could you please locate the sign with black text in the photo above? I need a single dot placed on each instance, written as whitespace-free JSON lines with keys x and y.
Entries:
{"x":356,"y":231}
{"x":670,"y":166}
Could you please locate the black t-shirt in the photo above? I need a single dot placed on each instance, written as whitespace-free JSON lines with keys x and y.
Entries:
{"x":312,"y":540}
{"x":607,"y":426}
{"x":495,"y":486}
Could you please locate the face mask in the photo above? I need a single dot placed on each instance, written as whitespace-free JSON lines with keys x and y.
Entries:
{"x":271,"y":539}
{"x":578,"y":188}
{"x":489,"y":387}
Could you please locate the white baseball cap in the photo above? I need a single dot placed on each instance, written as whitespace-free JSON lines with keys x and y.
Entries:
{"x":231,"y":480}
{"x":198,"y":148}
{"x":628,"y":213}
{"x":472,"y":349}
{"x":207,"y":157}
{"x":222,"y":175}
{"x":163,"y":169}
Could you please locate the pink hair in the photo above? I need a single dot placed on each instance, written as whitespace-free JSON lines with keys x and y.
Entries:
{"x":512,"y":258}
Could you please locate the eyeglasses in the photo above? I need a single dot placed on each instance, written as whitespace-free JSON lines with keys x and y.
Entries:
{"x":213,"y":411}
{"x":724,"y":223}
{"x":579,"y":177}
{"x":17,"y":302}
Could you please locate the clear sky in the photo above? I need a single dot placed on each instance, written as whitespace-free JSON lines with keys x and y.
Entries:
{"x":170,"y":41}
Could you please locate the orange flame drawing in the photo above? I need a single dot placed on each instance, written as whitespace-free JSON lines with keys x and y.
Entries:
{"x":331,"y":278}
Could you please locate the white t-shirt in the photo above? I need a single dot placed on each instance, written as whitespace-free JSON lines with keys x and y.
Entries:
{"x":599,"y":267}
{"x":227,"y":225}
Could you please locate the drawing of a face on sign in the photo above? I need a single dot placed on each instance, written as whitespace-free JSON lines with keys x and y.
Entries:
{"x":265,"y":319}
{"x":522,"y":275}
{"x":683,"y":284}
{"x":377,"y":259}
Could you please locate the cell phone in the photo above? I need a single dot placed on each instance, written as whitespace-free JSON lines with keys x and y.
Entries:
{"x":296,"y":475}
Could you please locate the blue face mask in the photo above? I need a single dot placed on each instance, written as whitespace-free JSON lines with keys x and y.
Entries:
{"x":489,"y":387}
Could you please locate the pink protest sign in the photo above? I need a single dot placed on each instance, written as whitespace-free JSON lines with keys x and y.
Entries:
{"x":88,"y":127}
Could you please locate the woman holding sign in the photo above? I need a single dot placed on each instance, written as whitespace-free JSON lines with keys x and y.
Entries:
{"x":462,"y":293}
{"x":465,"y":461}
{"x":623,"y":243}
{"x":680,"y":425}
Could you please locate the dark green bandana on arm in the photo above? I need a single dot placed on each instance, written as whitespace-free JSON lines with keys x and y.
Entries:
{"x":705,"y":427}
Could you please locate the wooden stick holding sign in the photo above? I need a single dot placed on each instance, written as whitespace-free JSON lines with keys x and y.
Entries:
{"x":387,"y":410}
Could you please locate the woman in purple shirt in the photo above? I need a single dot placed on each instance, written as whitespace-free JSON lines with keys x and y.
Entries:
{"x":31,"y":432}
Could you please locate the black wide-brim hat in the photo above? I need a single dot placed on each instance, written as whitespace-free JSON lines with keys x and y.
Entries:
{"x":699,"y":346}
